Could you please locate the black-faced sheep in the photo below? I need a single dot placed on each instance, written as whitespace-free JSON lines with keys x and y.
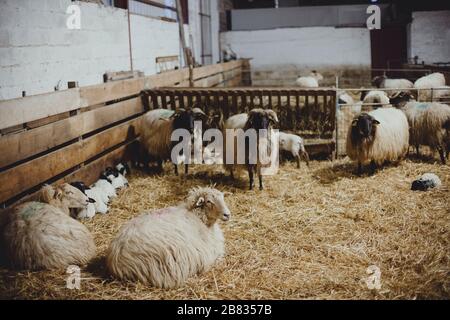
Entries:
{"x":378,"y":136}
{"x":295,"y":145}
{"x":165,"y":247}
{"x":158,"y":126}
{"x":43,"y":236}
{"x":256,"y":119}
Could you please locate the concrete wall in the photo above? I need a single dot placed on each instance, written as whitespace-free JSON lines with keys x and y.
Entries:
{"x":280,"y":55}
{"x":430,"y":36}
{"x":37,"y":51}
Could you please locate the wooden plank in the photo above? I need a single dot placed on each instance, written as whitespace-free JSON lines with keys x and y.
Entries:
{"x":21,"y":110}
{"x":213,"y":69}
{"x":26,"y":144}
{"x":169,"y":78}
{"x":114,"y":90}
{"x":30,"y":174}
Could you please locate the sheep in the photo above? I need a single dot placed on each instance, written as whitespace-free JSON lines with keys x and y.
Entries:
{"x":42,"y":235}
{"x":426,"y":181}
{"x":258,"y":119}
{"x":295,"y":145}
{"x":427,"y":126}
{"x":384,"y":82}
{"x":378,"y":136}
{"x":345,"y":98}
{"x":158,"y":126}
{"x":433,"y":80}
{"x":376,"y":97}
{"x":117,"y":180}
{"x":123,"y":168}
{"x":164,"y":247}
{"x":89,"y":211}
{"x":106,"y":187}
{"x":311,"y":81}
{"x":100,"y":200}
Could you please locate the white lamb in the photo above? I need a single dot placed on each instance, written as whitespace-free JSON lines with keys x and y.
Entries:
{"x":165,"y":247}
{"x":311,"y":81}
{"x":295,"y":145}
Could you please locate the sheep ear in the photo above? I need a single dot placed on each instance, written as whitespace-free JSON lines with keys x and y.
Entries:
{"x":58,"y":193}
{"x":272,"y":116}
{"x":354,"y":122}
{"x":375,"y":121}
{"x":200,"y":202}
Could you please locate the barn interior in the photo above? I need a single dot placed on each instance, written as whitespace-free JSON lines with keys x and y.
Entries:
{"x":78,"y":77}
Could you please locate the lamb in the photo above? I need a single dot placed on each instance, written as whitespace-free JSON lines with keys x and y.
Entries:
{"x":425,"y":182}
{"x":376,"y":97}
{"x":427,"y":125}
{"x":158,"y":126}
{"x":311,"y":81}
{"x":295,"y":145}
{"x":164,"y":247}
{"x":433,"y":80}
{"x":257,"y":119}
{"x":106,"y":187}
{"x":117,"y":180}
{"x":99,"y":197}
{"x":384,"y":82}
{"x":378,"y":136}
{"x":42,"y":235}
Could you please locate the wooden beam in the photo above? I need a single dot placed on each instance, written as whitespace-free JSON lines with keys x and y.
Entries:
{"x":21,"y":110}
{"x":30,"y":174}
{"x":29,"y":143}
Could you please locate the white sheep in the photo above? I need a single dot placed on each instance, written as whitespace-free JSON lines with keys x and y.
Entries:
{"x":377,"y":98}
{"x":345,"y":98}
{"x":295,"y":145}
{"x":106,"y":187}
{"x":384,"y":82}
{"x":117,"y":180}
{"x":378,"y":136}
{"x":42,"y":235}
{"x":164,"y":247}
{"x":427,"y":125}
{"x":257,"y":119}
{"x":311,"y":81}
{"x":434,"y":80}
{"x":158,"y":126}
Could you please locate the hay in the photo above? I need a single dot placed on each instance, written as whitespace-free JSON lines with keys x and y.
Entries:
{"x":311,"y":234}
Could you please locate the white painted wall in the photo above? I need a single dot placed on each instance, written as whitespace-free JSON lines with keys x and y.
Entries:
{"x":430,"y":36}
{"x":37,"y":50}
{"x":305,"y":47}
{"x":281,"y":55}
{"x":151,"y":38}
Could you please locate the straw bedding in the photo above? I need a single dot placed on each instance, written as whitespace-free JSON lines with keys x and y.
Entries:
{"x":311,"y":234}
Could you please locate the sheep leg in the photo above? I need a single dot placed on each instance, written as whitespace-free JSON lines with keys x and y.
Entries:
{"x":359,"y":168}
{"x":261,"y":187}
{"x":176,"y":169}
{"x":417,"y":150}
{"x":306,"y":157}
{"x":186,"y":169}
{"x":441,"y":154}
{"x":160,"y":165}
{"x":297,"y":158}
{"x":250,"y":176}
{"x":373,"y":167}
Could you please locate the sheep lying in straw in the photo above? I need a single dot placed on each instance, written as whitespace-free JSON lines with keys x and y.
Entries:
{"x":166,"y":246}
{"x":311,"y":81}
{"x":434,"y":80}
{"x":257,"y":119}
{"x":384,"y":82}
{"x":43,"y":236}
{"x":295,"y":145}
{"x":158,"y":126}
{"x":378,"y":136}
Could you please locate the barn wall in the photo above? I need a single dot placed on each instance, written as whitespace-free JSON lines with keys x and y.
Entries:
{"x":430,"y":36}
{"x":34,"y":40}
{"x":280,"y":55}
{"x":37,"y":50}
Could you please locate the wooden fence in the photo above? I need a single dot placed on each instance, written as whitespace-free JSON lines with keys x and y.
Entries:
{"x":74,"y":134}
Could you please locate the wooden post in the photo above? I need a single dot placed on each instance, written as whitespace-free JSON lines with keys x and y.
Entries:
{"x":187,"y":52}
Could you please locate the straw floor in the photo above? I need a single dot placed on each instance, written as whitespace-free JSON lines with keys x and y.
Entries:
{"x":311,"y":234}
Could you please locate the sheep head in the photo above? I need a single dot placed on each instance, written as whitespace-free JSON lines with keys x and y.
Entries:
{"x":363,"y":128}
{"x":209,"y":205}
{"x":316,"y":75}
{"x":261,"y":119}
{"x":64,"y":196}
{"x":378,"y":81}
{"x":398,"y":99}
{"x":183,"y":119}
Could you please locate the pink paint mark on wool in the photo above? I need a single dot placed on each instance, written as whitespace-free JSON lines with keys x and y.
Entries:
{"x":160,"y":212}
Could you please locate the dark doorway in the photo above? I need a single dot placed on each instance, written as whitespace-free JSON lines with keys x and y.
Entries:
{"x":388,"y":47}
